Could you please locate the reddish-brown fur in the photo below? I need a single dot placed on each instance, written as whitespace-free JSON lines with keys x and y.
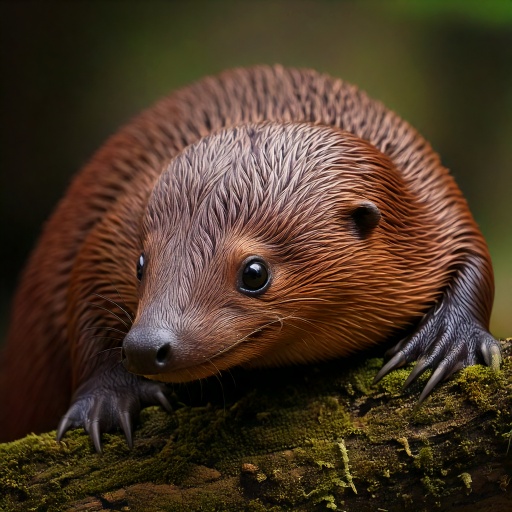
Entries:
{"x":88,"y":249}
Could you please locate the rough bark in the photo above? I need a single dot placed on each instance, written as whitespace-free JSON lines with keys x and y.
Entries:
{"x":312,"y":438}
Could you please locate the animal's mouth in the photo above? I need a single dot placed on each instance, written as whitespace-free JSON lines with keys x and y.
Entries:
{"x":208,"y":368}
{"x":234,"y":355}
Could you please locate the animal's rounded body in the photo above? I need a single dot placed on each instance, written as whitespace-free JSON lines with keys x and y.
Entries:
{"x":266,"y":216}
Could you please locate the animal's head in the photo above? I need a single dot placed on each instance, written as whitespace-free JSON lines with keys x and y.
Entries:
{"x":258,"y":242}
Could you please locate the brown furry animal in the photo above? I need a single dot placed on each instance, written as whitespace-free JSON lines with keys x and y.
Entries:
{"x":262,"y":217}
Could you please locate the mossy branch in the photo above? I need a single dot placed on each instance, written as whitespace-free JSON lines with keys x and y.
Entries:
{"x":314,"y":438}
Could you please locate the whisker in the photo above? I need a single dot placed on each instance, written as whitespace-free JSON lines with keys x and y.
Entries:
{"x":108,"y":350}
{"x":115,"y":365}
{"x":217,"y":375}
{"x":259,"y":329}
{"x":192,"y":375}
{"x":106,"y":329}
{"x":302,"y":299}
{"x":122,"y":300}
{"x":108,"y":311}
{"x":324,"y":328}
{"x":296,"y":326}
{"x":97,"y":336}
{"x":130,"y":319}
{"x":313,"y":321}
{"x":232,"y":376}
{"x":217,"y":371}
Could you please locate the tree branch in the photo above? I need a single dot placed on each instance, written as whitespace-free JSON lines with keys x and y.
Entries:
{"x":311,"y":438}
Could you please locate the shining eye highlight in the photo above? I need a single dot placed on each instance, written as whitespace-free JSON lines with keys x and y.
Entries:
{"x":140,"y":266}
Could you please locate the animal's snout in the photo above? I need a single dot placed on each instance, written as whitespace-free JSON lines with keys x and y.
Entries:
{"x":148,"y":350}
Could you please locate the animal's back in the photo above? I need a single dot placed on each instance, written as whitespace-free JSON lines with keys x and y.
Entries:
{"x":37,"y":376}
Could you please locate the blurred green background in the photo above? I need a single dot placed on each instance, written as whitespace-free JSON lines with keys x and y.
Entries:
{"x":72,"y":72}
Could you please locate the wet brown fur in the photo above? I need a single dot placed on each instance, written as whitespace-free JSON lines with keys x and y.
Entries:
{"x":376,"y":285}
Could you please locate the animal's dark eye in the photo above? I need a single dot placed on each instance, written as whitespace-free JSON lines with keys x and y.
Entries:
{"x":254,"y":276}
{"x":140,"y":266}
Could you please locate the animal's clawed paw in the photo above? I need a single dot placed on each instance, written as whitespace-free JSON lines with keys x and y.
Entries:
{"x":448,"y":339}
{"x":112,"y":400}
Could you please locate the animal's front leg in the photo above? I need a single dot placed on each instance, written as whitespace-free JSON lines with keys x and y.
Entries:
{"x":111,"y":398}
{"x":106,"y":396}
{"x":454,"y":334}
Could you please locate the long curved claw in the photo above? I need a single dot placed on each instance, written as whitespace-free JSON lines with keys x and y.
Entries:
{"x":126,"y":427}
{"x":95,"y":434}
{"x":496,"y":358}
{"x":94,"y":423}
{"x":64,"y":425}
{"x":418,"y":370}
{"x":390,"y":352}
{"x":162,"y":400}
{"x":442,"y":372}
{"x":397,"y":361}
{"x":491,"y":354}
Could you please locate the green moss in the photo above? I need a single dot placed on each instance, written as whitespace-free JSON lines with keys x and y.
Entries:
{"x":346,"y":466}
{"x":393,"y":382}
{"x":258,"y":506}
{"x":316,"y":442}
{"x":361,"y":378}
{"x":466,"y":480}
{"x":405,"y":443}
{"x":425,"y":459}
{"x":479,"y":383}
{"x":435,"y":410}
{"x":433,"y":486}
{"x":330,"y":502}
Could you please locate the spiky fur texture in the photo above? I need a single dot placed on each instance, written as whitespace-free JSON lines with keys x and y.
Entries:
{"x":199,"y":198}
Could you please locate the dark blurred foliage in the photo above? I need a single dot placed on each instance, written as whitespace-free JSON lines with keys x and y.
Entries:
{"x":72,"y":72}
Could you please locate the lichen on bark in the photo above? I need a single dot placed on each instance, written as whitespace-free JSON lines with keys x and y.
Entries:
{"x":313,"y":438}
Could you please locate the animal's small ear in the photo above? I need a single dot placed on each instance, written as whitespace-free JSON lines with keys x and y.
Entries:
{"x":365,"y":217}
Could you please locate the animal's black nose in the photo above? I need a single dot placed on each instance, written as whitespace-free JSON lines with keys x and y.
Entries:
{"x":147,"y":350}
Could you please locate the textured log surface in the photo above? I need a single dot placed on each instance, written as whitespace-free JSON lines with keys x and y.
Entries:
{"x":315,"y":438}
